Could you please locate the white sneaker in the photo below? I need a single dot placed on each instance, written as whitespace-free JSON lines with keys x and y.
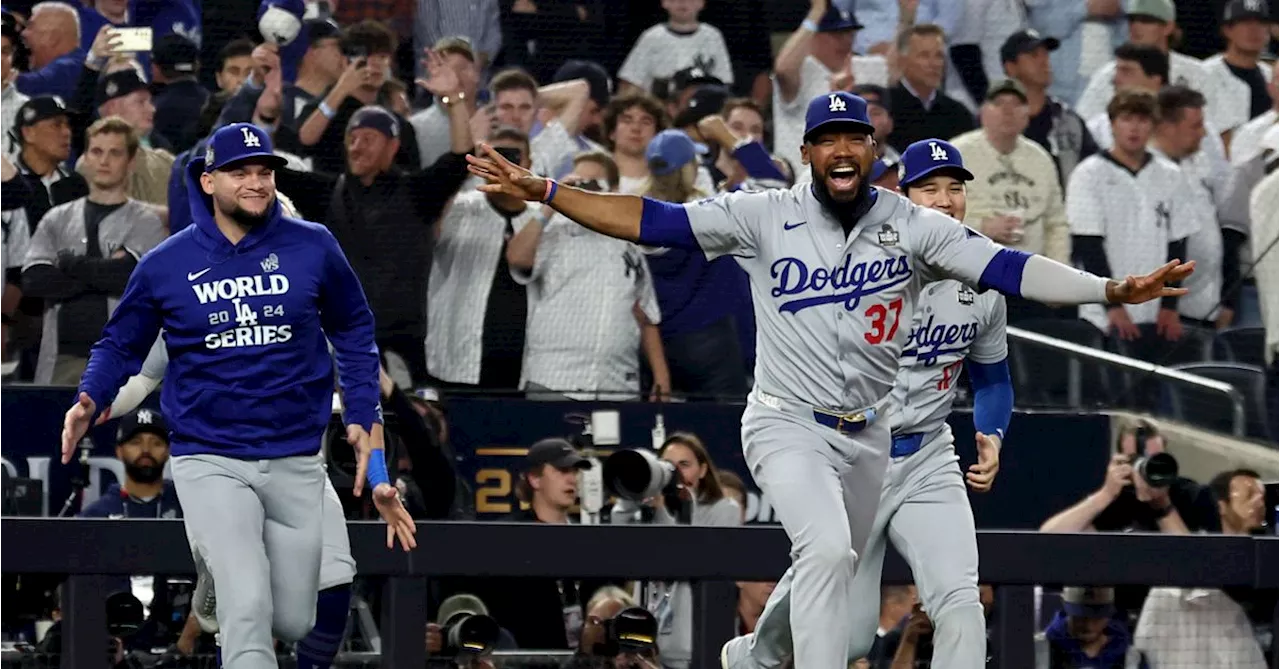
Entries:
{"x":204,"y":602}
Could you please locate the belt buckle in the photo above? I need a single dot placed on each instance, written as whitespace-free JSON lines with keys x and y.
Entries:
{"x":860,"y":418}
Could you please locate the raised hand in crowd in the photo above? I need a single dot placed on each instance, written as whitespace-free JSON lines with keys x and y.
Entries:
{"x":441,"y":80}
{"x":266,"y":68}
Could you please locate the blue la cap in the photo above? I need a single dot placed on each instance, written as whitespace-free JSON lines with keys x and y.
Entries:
{"x":237,"y":142}
{"x":670,"y":150}
{"x":927,"y":156}
{"x":837,"y":107}
{"x":878,"y":169}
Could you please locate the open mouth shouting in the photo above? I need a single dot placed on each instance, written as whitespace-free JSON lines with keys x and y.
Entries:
{"x":844,"y":178}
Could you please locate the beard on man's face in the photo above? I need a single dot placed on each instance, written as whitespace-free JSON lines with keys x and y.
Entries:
{"x":144,"y":470}
{"x":245,"y":218}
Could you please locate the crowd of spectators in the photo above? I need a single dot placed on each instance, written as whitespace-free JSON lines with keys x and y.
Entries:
{"x":1112,"y":163}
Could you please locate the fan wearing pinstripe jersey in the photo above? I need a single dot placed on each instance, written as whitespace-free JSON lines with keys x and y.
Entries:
{"x":1128,"y":210}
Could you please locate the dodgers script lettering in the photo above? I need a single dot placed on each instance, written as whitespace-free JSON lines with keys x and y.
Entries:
{"x":847,"y":282}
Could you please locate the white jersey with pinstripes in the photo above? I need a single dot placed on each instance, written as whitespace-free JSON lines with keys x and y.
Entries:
{"x":953,"y":322}
{"x":1136,"y":213}
{"x":833,"y":312}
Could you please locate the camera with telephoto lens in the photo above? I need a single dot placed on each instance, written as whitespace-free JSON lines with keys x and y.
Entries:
{"x":639,"y":474}
{"x":469,"y":634}
{"x":1159,"y":470}
{"x":631,"y":633}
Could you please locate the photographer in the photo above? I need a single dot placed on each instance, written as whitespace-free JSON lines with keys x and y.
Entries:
{"x":621,"y":636}
{"x":702,"y":501}
{"x":1141,"y":492}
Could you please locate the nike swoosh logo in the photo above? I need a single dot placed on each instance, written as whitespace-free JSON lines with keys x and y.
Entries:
{"x":793,"y":226}
{"x":192,"y":276}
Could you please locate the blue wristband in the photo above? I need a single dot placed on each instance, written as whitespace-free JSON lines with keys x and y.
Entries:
{"x":551,"y":191}
{"x":377,"y":472}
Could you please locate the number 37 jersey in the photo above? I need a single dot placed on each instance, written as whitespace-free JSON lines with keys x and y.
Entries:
{"x":952,"y":323}
{"x":833,"y":312}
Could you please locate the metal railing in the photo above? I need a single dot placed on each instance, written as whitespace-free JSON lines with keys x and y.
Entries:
{"x":1077,"y":351}
{"x":711,"y":558}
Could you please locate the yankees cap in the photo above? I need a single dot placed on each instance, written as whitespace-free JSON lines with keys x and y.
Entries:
{"x":375,"y":118}
{"x":142,"y":420}
{"x":927,"y":156}
{"x":1025,"y":41}
{"x":238,"y":142}
{"x":837,"y":108}
{"x":706,"y":101}
{"x":37,"y":109}
{"x":117,"y":85}
{"x":671,"y":150}
{"x":1243,"y":10}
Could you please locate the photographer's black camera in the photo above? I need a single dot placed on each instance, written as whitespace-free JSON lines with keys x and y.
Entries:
{"x":1159,"y":470}
{"x":638,"y":475}
{"x":469,"y":634}
{"x":633,"y":631}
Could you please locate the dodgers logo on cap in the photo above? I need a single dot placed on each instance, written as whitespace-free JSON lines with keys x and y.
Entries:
{"x":927,"y":156}
{"x":838,"y":108}
{"x":238,"y":142}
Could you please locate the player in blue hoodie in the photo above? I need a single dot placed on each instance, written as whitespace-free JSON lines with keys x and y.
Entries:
{"x":247,"y":297}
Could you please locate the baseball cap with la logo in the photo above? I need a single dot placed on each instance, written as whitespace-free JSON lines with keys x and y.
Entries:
{"x":838,"y":108}
{"x":239,"y":142}
{"x":927,"y":156}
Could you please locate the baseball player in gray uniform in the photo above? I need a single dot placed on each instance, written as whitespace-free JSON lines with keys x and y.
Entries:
{"x":924,"y":509}
{"x":836,"y":268}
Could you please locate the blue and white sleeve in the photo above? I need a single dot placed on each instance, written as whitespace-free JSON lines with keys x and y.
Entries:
{"x":722,"y":225}
{"x":959,"y":252}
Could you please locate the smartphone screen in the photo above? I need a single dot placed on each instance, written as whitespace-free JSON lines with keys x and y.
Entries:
{"x":132,"y":40}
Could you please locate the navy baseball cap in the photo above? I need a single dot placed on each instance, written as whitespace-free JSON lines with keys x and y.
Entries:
{"x":598,"y":79}
{"x":837,"y":108}
{"x":1025,"y":41}
{"x":142,"y":420}
{"x":556,"y":452}
{"x":117,"y":85}
{"x":177,"y":53}
{"x":927,"y":156}
{"x":376,"y":118}
{"x":838,"y":20}
{"x":1089,"y":602}
{"x":239,"y":142}
{"x":37,"y":109}
{"x":671,"y":150}
{"x":1243,"y":10}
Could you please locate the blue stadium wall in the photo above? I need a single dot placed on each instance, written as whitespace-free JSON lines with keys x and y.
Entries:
{"x":1049,"y":461}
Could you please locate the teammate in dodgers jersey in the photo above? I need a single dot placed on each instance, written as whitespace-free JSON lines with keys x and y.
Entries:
{"x":923,"y":507}
{"x":835,"y":269}
{"x":247,"y":298}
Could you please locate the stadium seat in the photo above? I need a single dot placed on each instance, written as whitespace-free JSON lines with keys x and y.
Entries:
{"x":1245,"y":345}
{"x":1042,"y":376}
{"x":1211,"y":410}
{"x":1196,"y":345}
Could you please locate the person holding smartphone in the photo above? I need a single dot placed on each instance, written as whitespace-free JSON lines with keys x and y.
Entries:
{"x":383,"y":215}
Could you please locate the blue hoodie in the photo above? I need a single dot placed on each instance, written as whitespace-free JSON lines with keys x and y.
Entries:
{"x":250,"y":375}
{"x":1064,"y":646}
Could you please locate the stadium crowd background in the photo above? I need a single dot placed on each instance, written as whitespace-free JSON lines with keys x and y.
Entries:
{"x":1103,"y":133}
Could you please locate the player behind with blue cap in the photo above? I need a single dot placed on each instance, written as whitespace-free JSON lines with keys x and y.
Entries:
{"x":835,"y":266}
{"x":249,"y":300}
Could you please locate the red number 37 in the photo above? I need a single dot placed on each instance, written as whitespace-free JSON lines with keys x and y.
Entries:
{"x":878,"y":314}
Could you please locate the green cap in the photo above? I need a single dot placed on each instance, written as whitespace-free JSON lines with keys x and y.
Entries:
{"x":1160,"y":9}
{"x":1002,"y":86}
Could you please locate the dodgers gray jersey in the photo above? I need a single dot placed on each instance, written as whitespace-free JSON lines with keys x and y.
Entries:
{"x":952,"y":322}
{"x":834,"y":312}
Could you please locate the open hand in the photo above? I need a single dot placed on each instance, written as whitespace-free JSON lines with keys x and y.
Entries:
{"x":505,"y":177}
{"x":982,"y":475}
{"x":1139,"y":289}
{"x":399,"y":524}
{"x":441,"y":79}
